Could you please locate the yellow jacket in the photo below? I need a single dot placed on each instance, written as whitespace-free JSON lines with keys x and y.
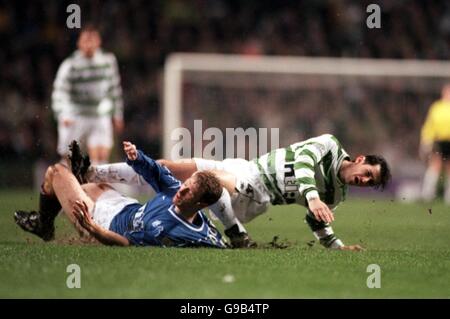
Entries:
{"x":437,"y":123}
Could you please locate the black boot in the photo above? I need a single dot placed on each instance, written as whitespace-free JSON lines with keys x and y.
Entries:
{"x":239,"y":239}
{"x":79,"y":163}
{"x":40,"y":223}
{"x":32,"y":222}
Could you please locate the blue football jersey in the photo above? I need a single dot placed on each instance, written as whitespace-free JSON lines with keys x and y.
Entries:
{"x":156,"y":223}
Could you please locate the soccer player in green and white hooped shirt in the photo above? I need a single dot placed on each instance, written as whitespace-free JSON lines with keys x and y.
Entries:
{"x":313,"y":173}
{"x":86,"y":94}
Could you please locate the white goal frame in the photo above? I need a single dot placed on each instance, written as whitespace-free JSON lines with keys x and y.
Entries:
{"x":178,"y":63}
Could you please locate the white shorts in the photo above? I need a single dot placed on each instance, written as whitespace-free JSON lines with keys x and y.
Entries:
{"x":251,"y":198}
{"x":92,"y":131}
{"x":108,"y":205}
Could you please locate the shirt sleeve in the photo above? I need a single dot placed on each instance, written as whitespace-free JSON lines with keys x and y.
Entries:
{"x":159,"y":177}
{"x":61,"y":90}
{"x":306,"y":158}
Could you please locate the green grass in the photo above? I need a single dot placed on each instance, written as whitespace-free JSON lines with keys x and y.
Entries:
{"x":409,"y":244}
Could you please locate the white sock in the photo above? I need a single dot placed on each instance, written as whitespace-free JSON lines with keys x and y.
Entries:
{"x":429,"y":186}
{"x":114,"y":173}
{"x":224,"y":211}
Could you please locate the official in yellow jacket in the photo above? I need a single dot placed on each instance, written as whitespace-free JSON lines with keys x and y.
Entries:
{"x":435,"y":146}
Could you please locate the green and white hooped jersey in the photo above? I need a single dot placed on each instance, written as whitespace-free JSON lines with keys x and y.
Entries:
{"x":89,"y":87}
{"x":305,"y":170}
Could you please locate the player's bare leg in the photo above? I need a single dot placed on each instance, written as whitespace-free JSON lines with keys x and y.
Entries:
{"x":68,"y":190}
{"x":431,"y":177}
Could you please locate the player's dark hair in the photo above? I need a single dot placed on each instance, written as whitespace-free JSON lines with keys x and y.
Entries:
{"x":385,"y":172}
{"x":209,"y":186}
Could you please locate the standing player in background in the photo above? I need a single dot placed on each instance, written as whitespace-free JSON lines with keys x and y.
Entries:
{"x":435,"y":146}
{"x":86,"y":94}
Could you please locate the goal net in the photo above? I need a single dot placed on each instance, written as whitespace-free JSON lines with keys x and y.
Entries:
{"x":371,"y":106}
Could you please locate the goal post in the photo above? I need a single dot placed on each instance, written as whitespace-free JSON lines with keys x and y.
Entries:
{"x":312,"y":93}
{"x":179,"y":63}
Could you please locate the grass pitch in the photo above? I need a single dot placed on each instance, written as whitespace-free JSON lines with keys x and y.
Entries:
{"x":410,"y":243}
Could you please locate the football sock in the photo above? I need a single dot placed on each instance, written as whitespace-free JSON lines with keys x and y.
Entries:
{"x":224,"y":211}
{"x":114,"y":173}
{"x":49,"y":207}
{"x":430,"y":184}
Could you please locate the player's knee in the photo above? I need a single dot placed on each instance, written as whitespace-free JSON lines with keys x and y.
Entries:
{"x":46,"y":187}
{"x":51,"y":172}
{"x":57,"y":169}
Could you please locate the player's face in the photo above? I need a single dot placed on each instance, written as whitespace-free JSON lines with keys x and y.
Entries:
{"x":187,"y":197}
{"x":89,"y":42}
{"x":362,"y":174}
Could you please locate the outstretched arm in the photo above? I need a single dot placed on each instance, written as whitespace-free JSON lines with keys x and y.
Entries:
{"x":324,"y":233}
{"x":307,"y":158}
{"x":105,"y":236}
{"x":159,"y":177}
{"x":320,"y":210}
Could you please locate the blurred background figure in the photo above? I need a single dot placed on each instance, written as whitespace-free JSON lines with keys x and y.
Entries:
{"x":435,"y":146}
{"x":86,"y":93}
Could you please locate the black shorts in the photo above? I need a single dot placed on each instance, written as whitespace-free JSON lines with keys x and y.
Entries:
{"x":443,"y":148}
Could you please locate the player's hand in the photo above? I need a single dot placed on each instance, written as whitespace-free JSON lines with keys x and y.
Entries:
{"x":320,"y":210}
{"x":130,"y":149}
{"x":352,"y":248}
{"x":81,"y":212}
{"x":118,"y":125}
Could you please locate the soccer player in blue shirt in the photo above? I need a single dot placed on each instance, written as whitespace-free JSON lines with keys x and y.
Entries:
{"x":172,"y":218}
